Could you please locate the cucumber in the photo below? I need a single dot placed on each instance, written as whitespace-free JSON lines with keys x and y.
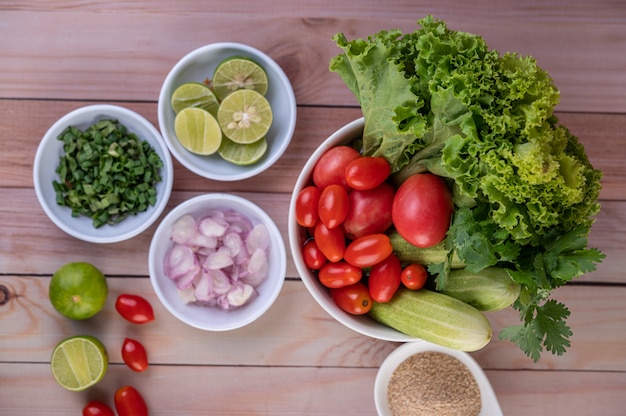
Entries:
{"x":491,"y":289}
{"x":436,"y":318}
{"x":408,"y":253}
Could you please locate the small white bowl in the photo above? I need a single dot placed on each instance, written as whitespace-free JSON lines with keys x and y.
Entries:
{"x":213,"y":318}
{"x":489,"y":401}
{"x":47,"y":160}
{"x":199,"y":65}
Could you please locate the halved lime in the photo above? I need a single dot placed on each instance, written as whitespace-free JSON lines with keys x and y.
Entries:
{"x":242,"y":154}
{"x":198,"y":131}
{"x":79,"y":362}
{"x":78,"y":290}
{"x":237,"y":73}
{"x":245,"y":116}
{"x":194,"y":94}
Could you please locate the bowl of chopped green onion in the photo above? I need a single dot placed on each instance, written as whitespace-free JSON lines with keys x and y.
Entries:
{"x":102,"y":173}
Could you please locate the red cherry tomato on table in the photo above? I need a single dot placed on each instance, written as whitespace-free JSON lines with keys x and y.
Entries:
{"x":414,"y":276}
{"x":96,"y":408}
{"x":313,"y":256}
{"x":134,"y":308}
{"x":331,"y":241}
{"x":333,"y":205}
{"x":369,"y":212}
{"x":368,"y":250}
{"x":306,"y":206}
{"x":354,"y":299}
{"x":422,"y":209}
{"x":340,"y":274}
{"x":367,"y":172}
{"x":134,"y":355}
{"x":331,"y":166}
{"x":385,"y":279}
{"x":128,"y":402}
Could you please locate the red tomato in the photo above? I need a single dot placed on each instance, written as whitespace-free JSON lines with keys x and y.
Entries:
{"x":385,"y":279}
{"x":367,"y":172}
{"x":368,"y":250}
{"x":422,"y":209}
{"x":331,"y":166}
{"x":313,"y":256}
{"x":369,"y":212}
{"x":134,"y":308}
{"x":306,"y":206}
{"x":128,"y":402}
{"x":96,"y":408}
{"x":354,"y":299}
{"x":333,"y":205}
{"x":134,"y":355}
{"x":331,"y":241}
{"x":340,"y":274}
{"x":414,"y":276}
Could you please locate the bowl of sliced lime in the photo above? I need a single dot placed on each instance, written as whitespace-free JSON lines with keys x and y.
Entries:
{"x":227,"y":111}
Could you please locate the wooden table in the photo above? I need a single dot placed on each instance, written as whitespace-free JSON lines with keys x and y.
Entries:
{"x":296,"y":360}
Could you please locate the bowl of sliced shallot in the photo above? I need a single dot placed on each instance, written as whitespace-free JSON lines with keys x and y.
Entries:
{"x":217,"y":262}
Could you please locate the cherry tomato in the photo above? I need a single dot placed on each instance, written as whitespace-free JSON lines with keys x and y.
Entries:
{"x":367,"y":172}
{"x":331,"y":241}
{"x":96,"y":408}
{"x":368,"y":250}
{"x":306,"y":206}
{"x":134,"y":355}
{"x":354,"y":299}
{"x":313,"y":256}
{"x":414,"y":276}
{"x":128,"y":402}
{"x":385,"y":279}
{"x":369,"y":212}
{"x":134,"y":308}
{"x":331,"y":166}
{"x":422,"y":209}
{"x":340,"y":274}
{"x":333,"y":205}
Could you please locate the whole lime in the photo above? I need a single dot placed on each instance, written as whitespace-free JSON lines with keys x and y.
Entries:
{"x":78,"y":290}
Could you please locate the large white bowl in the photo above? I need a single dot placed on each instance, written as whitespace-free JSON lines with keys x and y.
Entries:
{"x":199,"y":65}
{"x":297,"y":235}
{"x":212,"y":318}
{"x":47,"y":160}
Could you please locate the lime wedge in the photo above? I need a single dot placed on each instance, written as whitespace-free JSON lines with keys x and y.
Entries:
{"x":198,"y":131}
{"x":237,"y":73}
{"x":194,"y":94}
{"x":242,"y":154}
{"x":79,"y":362}
{"x":245,"y":116}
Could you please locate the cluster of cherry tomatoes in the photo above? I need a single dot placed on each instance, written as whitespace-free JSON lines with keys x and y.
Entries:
{"x":347,"y":211}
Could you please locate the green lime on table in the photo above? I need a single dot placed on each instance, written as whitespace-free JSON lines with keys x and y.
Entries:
{"x":79,"y":362}
{"x":194,"y":94}
{"x":198,"y":131}
{"x":238,"y":73}
{"x":242,"y":154}
{"x":245,"y":116}
{"x":78,"y":290}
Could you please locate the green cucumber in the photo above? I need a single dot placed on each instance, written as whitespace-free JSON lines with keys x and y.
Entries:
{"x":408,"y":253}
{"x":436,"y":318}
{"x":491,"y":289}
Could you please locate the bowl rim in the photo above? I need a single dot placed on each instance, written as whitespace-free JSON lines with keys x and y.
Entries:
{"x":155,"y":140}
{"x":268,"y":64}
{"x":156,"y":276}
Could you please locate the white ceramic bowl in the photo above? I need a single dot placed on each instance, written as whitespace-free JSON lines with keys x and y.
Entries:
{"x":47,"y":160}
{"x":297,"y":235}
{"x":199,"y":65}
{"x":213,"y":318}
{"x":490,"y":405}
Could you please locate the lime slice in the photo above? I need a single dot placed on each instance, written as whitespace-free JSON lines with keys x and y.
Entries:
{"x":238,"y":73}
{"x":78,"y":290}
{"x":194,"y":94}
{"x":79,"y":362}
{"x":242,"y":154}
{"x":198,"y":131}
{"x":245,"y":116}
